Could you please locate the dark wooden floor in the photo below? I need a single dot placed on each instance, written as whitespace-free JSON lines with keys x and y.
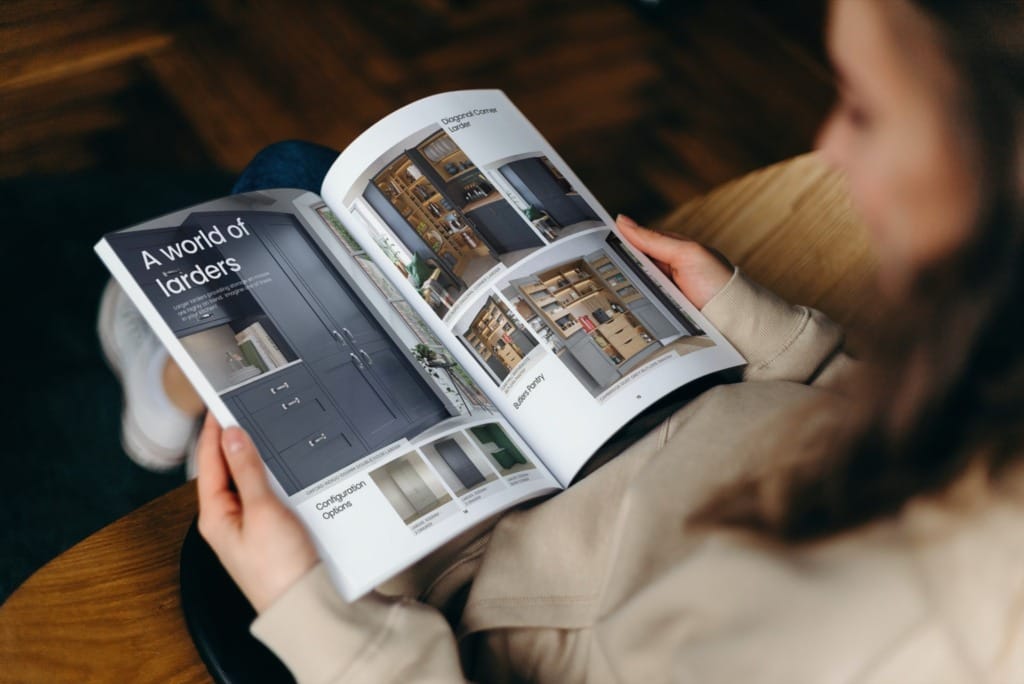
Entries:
{"x":649,"y":106}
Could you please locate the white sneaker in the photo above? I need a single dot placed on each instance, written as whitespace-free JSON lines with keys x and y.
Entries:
{"x":154,"y":432}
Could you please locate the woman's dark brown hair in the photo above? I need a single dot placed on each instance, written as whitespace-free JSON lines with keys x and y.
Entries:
{"x":947,"y":393}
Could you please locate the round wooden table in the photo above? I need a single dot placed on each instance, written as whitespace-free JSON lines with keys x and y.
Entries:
{"x":107,"y":609}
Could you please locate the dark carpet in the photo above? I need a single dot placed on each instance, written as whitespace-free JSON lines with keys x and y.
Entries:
{"x":64,"y":473}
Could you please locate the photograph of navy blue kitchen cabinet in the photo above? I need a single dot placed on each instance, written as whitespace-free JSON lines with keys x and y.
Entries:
{"x":549,"y":193}
{"x":366,"y":391}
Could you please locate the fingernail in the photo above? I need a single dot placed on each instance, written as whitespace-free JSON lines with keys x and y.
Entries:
{"x":234,"y":440}
{"x":624,"y":220}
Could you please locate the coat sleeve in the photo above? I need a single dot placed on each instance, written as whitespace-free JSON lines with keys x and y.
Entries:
{"x":321,"y":638}
{"x":779,"y":340}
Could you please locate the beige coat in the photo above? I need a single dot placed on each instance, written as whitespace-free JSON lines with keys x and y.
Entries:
{"x":601,"y":583}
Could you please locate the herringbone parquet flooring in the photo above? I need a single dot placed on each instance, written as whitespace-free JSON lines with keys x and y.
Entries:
{"x":649,"y":106}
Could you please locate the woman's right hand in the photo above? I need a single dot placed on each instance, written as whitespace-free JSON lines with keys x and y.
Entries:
{"x":699,"y":273}
{"x":258,"y":540}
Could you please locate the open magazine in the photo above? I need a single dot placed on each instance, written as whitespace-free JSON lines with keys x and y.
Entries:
{"x":452,"y":327}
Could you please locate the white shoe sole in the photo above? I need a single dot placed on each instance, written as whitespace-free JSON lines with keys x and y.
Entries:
{"x":105,"y":324}
{"x":134,"y":440}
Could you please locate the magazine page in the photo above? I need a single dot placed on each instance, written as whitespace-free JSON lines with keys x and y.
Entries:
{"x":379,"y":440}
{"x":487,"y":232}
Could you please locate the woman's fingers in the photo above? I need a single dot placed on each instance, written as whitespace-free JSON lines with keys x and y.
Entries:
{"x":258,"y":540}
{"x":213,"y":472}
{"x":659,"y":247}
{"x":697,"y":272}
{"x":246,"y":466}
{"x":218,"y":505}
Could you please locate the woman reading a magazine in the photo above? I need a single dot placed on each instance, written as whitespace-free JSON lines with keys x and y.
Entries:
{"x":827,"y":522}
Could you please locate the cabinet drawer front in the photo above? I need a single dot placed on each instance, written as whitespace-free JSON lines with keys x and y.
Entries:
{"x":616,"y":331}
{"x":319,"y":454}
{"x":270,"y":392}
{"x":626,"y":337}
{"x":294,"y":416}
{"x":631,"y":346}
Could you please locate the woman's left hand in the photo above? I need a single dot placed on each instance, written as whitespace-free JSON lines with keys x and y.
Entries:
{"x":259,"y":541}
{"x":697,"y":271}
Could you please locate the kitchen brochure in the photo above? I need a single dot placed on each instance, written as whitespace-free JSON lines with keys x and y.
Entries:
{"x":452,"y":327}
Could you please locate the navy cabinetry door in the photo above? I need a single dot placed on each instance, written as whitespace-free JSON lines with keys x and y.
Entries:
{"x":370,"y":409}
{"x":370,"y":381}
{"x":343,"y":311}
{"x":316,"y":456}
{"x":459,"y":462}
{"x":387,"y":369}
{"x":503,"y":227}
{"x":301,"y":434}
{"x":306,"y":333}
{"x":294,"y":417}
{"x":396,"y":395}
{"x":535,"y":183}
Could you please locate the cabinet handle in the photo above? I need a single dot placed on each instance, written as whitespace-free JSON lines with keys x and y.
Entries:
{"x":349,"y":335}
{"x":295,"y":401}
{"x":313,"y":441}
{"x":280,"y":388}
{"x":337,"y":335}
{"x":356,"y":359}
{"x":369,"y":361}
